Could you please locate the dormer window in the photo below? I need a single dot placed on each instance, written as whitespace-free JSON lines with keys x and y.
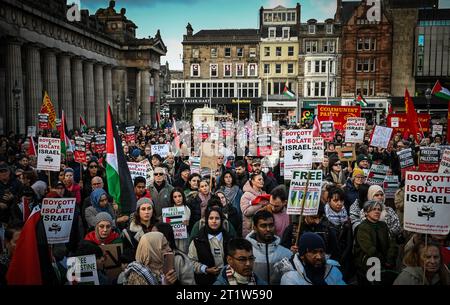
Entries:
{"x":329,"y":28}
{"x":311,"y":28}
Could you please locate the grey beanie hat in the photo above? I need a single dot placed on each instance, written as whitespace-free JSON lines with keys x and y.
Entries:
{"x":142,"y":201}
{"x":103,"y":216}
{"x":370,"y":204}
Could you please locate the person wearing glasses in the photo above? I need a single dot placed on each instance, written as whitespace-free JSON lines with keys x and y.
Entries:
{"x":337,"y":174}
{"x":372,"y":240}
{"x":104,"y":233}
{"x":160,"y":191}
{"x":239,"y":270}
{"x":93,"y":170}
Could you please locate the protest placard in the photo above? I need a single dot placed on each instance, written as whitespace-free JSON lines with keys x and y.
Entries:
{"x":175,"y":217}
{"x":31,"y":131}
{"x":195,"y":164}
{"x":437,"y":130}
{"x":297,"y":191}
{"x":82,"y":270}
{"x":130,"y":136}
{"x":208,"y":155}
{"x":444,"y":166}
{"x":297,"y":150}
{"x":80,"y":150}
{"x":138,"y":169}
{"x":346,"y":153}
{"x":264,"y":145}
{"x":149,"y":173}
{"x":406,"y":158}
{"x":100,"y":143}
{"x":266,"y":120}
{"x":381,"y":137}
{"x":429,"y":158}
{"x":390,"y":186}
{"x":377,"y":174}
{"x":337,"y":114}
{"x":112,"y":264}
{"x":43,"y":121}
{"x":161,"y":149}
{"x":326,"y":126}
{"x":317,"y":149}
{"x":49,"y":154}
{"x":88,"y":140}
{"x":57,"y":215}
{"x":354,"y":131}
{"x":427,"y":203}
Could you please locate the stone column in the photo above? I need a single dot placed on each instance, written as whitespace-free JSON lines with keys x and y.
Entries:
{"x":89,"y":96}
{"x":14,"y":107}
{"x":133,"y":115}
{"x":109,"y":98}
{"x":119,"y":87}
{"x":157,"y":103}
{"x":65,"y":88}
{"x":51,"y":77}
{"x":146,"y":117}
{"x":99,"y":95}
{"x":78,"y":90}
{"x":34,"y":85}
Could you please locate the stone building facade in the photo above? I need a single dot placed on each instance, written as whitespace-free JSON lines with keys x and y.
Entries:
{"x":220,"y":67}
{"x":366,"y":57}
{"x":82,"y":65}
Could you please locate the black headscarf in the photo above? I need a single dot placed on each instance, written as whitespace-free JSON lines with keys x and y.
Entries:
{"x":222,"y":218}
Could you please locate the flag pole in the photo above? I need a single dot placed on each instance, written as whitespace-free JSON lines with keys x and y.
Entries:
{"x":303,"y":206}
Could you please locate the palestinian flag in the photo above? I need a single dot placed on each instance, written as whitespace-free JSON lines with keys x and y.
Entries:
{"x":64,"y":136}
{"x":288,"y":92}
{"x":31,"y":263}
{"x":83,"y":125}
{"x":440,"y":91}
{"x":118,"y":176}
{"x":361,"y":101}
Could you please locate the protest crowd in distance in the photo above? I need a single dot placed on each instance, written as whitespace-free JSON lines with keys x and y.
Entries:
{"x":333,"y":201}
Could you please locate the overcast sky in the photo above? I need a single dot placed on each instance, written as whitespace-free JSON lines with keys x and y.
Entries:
{"x":172,"y":16}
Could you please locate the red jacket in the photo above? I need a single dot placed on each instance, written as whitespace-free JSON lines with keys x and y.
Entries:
{"x":111,"y":239}
{"x":75,"y":189}
{"x":146,"y":195}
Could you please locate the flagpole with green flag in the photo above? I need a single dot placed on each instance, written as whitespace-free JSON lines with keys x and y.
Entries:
{"x":118,"y":176}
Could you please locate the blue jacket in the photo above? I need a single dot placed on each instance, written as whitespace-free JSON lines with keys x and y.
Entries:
{"x":223,"y":280}
{"x":266,"y":255}
{"x":296,"y":275}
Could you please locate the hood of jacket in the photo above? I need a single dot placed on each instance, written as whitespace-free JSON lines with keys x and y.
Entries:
{"x":248,"y":188}
{"x":260,"y":247}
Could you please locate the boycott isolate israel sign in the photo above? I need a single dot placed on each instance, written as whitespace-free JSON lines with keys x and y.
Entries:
{"x":427,"y":203}
{"x":297,"y":150}
{"x":57,"y":214}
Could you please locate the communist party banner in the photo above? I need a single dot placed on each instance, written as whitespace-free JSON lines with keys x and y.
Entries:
{"x":338,"y":114}
{"x":399,"y":121}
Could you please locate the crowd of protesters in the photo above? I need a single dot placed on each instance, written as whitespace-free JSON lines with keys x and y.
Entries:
{"x":239,"y":232}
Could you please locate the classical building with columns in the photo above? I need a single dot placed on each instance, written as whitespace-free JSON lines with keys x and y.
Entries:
{"x":82,"y":65}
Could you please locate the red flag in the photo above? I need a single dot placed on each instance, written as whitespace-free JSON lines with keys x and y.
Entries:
{"x":316,"y":127}
{"x":448,"y":124}
{"x":411,"y":115}
{"x":25,"y":266}
{"x":31,"y":148}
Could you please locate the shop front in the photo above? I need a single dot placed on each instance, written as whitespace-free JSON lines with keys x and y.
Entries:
{"x":182,"y":108}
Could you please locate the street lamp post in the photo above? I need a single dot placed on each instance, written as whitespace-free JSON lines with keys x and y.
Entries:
{"x":428,"y":97}
{"x":17,"y":93}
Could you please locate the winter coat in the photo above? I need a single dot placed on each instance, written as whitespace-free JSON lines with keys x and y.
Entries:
{"x":241,"y":180}
{"x":184,"y":269}
{"x":414,"y":276}
{"x":266,"y":255}
{"x":248,"y":210}
{"x":269,"y":183}
{"x":373,"y":240}
{"x":193,"y":202}
{"x":133,"y":234}
{"x":351,"y":194}
{"x":294,"y":272}
{"x":160,"y":199}
{"x":222,"y":278}
{"x":227,"y":226}
{"x":399,"y":201}
{"x":113,"y":238}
